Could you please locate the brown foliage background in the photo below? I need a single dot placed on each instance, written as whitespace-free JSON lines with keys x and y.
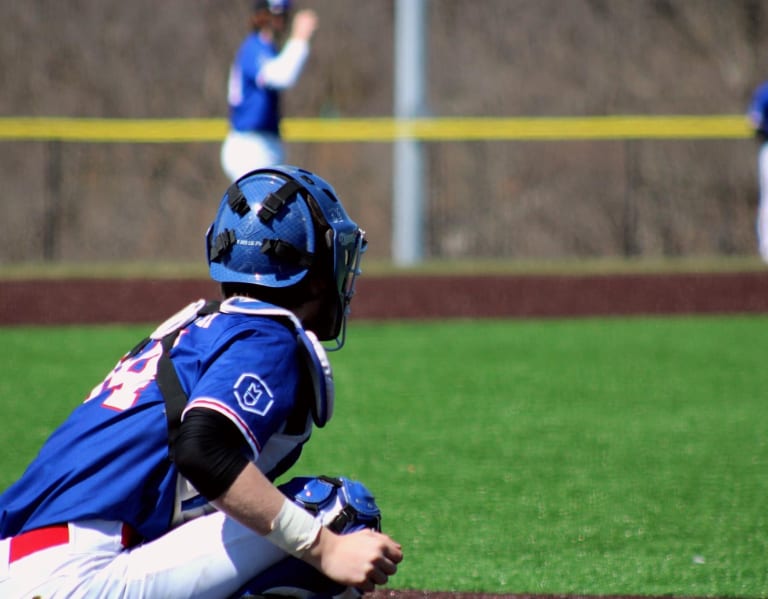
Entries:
{"x":147,"y":59}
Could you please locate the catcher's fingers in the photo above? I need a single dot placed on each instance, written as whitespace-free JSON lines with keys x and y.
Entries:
{"x":381,"y":572}
{"x":386,"y":565}
{"x":393,"y":551}
{"x":377,"y":576}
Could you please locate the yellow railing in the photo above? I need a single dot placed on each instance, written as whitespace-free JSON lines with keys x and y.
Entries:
{"x":381,"y":129}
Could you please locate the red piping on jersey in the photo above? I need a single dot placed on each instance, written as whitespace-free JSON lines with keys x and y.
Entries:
{"x":225,"y":410}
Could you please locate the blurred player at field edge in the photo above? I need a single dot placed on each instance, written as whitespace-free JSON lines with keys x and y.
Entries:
{"x":257,"y":76}
{"x":758,"y":116}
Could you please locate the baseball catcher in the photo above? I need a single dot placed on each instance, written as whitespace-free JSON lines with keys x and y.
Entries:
{"x":161,"y":483}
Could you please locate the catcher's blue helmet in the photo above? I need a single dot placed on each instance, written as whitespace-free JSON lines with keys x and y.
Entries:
{"x":269,"y":226}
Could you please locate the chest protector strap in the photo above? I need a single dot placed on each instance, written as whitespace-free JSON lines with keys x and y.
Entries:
{"x":167,"y":378}
{"x":315,"y":358}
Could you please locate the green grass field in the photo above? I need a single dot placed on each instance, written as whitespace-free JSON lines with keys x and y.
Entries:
{"x":595,"y":456}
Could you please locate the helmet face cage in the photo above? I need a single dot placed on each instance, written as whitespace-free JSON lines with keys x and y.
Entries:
{"x":348,"y":251}
{"x":246,"y":246}
{"x":348,"y":243}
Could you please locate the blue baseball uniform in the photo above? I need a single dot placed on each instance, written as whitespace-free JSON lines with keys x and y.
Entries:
{"x":253,"y":106}
{"x":108,"y":462}
{"x":758,"y":109}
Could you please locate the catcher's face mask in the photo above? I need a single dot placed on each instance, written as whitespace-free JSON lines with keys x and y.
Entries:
{"x":349,"y":248}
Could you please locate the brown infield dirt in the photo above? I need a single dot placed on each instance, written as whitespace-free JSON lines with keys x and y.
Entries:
{"x":93,"y":301}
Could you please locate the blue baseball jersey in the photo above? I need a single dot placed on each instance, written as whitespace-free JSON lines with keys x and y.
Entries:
{"x":109,"y":459}
{"x":758,"y":109}
{"x":252,"y":106}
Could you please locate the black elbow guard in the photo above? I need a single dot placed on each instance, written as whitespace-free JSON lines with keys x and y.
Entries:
{"x":210,"y":452}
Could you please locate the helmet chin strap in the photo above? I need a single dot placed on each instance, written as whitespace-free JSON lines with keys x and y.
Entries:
{"x":341,"y":338}
{"x":340,"y":325}
{"x":330,"y":331}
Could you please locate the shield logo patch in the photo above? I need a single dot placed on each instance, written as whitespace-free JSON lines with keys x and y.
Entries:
{"x":253,"y":395}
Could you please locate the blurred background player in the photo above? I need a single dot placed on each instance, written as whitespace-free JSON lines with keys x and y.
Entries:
{"x":161,"y":483}
{"x":758,"y":116}
{"x":257,"y":76}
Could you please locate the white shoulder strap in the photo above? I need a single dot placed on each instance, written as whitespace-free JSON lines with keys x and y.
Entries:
{"x":322,"y":377}
{"x":179,"y":320}
{"x":242,"y":305}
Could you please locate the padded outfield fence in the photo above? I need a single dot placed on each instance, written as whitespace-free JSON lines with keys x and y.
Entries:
{"x":566,"y":186}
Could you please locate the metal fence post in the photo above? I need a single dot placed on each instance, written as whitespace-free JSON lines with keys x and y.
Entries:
{"x":408,"y":185}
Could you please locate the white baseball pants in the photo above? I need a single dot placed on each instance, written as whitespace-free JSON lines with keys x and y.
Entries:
{"x":210,"y":557}
{"x":243,"y":152}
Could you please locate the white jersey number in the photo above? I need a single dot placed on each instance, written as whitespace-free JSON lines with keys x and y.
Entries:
{"x":129,"y":378}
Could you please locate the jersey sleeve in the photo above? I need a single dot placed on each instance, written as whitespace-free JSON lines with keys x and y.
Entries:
{"x":282,"y":71}
{"x":253,"y":381}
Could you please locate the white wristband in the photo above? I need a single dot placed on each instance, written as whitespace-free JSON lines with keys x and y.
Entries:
{"x":294,"y":530}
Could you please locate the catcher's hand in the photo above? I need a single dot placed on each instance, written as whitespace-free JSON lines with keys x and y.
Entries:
{"x":360,"y":559}
{"x":354,"y":551}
